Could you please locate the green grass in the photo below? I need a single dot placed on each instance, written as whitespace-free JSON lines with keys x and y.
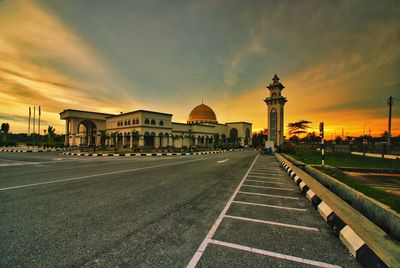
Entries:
{"x":386,"y":198}
{"x":346,"y":160}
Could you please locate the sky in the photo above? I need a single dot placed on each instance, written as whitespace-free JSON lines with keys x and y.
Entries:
{"x":339,"y":60}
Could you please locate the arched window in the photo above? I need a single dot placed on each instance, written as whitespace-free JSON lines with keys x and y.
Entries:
{"x":129,"y":122}
{"x":161,"y":123}
{"x":274,"y":95}
{"x":147,"y":121}
{"x":137,"y":121}
{"x":153,"y":122}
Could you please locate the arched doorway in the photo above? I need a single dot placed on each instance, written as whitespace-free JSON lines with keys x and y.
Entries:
{"x":233,"y":135}
{"x":149,"y":139}
{"x":87,"y":131}
{"x":247,"y":137}
{"x":161,"y":138}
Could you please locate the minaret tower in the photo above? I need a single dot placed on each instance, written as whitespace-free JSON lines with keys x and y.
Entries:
{"x":275,"y":103}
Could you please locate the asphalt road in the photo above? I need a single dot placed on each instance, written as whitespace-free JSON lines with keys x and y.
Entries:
{"x":60,"y":211}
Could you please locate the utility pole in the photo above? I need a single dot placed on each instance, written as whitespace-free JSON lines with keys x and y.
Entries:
{"x":321,"y":130}
{"x":390,"y":103}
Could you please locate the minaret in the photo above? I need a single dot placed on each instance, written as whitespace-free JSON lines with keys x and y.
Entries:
{"x":275,"y":103}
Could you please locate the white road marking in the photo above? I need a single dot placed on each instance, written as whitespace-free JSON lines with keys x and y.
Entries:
{"x":273,"y":223}
{"x":196,"y":257}
{"x":273,"y":182}
{"x":256,"y":176}
{"x":101,"y":174}
{"x":266,"y":173}
{"x":270,"y":195}
{"x":222,"y":161}
{"x":273,"y":254}
{"x":269,"y":206}
{"x":268,"y":187}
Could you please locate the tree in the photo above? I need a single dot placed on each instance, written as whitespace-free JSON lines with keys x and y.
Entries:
{"x":114,"y":140}
{"x":299,"y":127}
{"x":259,"y":138}
{"x":5,"y":127}
{"x":135,"y":138}
{"x":103,"y":138}
{"x":216,"y":140}
{"x":50,"y":134}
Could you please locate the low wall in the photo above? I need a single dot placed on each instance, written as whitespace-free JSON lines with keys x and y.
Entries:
{"x":382,"y":215}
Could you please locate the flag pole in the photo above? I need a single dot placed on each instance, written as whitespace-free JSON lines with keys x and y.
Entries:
{"x":29,"y":122}
{"x":39,"y":125}
{"x":34,"y":119}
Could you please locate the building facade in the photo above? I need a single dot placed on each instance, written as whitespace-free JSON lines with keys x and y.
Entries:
{"x":150,"y":129}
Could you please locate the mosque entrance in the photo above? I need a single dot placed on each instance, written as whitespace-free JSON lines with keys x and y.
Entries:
{"x":87,"y":131}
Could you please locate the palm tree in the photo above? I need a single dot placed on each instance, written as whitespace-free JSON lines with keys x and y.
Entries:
{"x":114,"y":139}
{"x":299,"y":127}
{"x":103,"y":138}
{"x":135,"y":137}
{"x":50,"y":134}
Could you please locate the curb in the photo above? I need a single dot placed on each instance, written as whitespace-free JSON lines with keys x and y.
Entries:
{"x":357,"y":247}
{"x":32,"y":150}
{"x":152,"y":154}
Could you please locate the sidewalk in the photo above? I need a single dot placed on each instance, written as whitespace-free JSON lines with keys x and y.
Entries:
{"x":387,"y":156}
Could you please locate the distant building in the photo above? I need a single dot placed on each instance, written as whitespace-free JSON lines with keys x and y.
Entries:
{"x":275,"y":103}
{"x":152,"y":129}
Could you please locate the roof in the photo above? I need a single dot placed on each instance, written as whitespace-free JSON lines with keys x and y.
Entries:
{"x":202,"y":113}
{"x":138,"y":111}
{"x":240,"y":122}
{"x":73,"y":110}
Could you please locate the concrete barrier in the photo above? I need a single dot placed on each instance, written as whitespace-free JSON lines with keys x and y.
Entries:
{"x":380,"y":214}
{"x":369,"y":244}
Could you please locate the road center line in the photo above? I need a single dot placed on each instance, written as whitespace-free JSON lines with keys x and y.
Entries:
{"x":222,"y":161}
{"x":269,"y":206}
{"x":199,"y":253}
{"x":273,"y":254}
{"x":100,"y":174}
{"x":273,"y":223}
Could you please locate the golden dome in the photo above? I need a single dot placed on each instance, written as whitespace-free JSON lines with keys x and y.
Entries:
{"x":202,"y":114}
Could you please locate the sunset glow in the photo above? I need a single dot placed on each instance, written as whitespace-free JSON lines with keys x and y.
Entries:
{"x":338,"y":67}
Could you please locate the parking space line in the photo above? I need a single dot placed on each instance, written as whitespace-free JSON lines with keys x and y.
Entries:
{"x":273,"y":223}
{"x":266,"y":174}
{"x":269,"y":206}
{"x":273,"y":182}
{"x":266,"y":177}
{"x":200,"y":251}
{"x":269,"y":195}
{"x":268,"y":187}
{"x":274,"y":254}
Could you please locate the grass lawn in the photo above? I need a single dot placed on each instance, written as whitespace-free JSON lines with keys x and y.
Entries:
{"x":346,"y":160}
{"x":386,"y":198}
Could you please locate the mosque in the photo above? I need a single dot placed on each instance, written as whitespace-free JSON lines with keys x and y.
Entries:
{"x":151,"y":129}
